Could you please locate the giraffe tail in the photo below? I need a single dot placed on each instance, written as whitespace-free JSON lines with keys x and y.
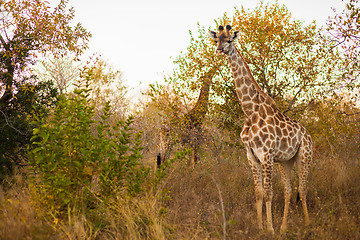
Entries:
{"x":298,"y":199}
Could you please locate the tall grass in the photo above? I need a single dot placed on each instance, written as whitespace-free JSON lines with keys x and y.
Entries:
{"x":213,"y":201}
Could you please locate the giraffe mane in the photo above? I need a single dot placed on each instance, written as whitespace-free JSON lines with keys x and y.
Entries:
{"x":257,"y":86}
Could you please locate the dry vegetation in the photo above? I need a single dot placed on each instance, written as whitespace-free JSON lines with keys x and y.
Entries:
{"x":213,"y":201}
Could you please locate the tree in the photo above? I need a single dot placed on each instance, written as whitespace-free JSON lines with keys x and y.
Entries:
{"x":107,"y":85}
{"x":343,"y":33}
{"x":61,"y":70}
{"x":286,"y":57}
{"x":29,"y":28}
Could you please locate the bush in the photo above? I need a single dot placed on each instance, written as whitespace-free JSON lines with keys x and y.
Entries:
{"x":75,"y":159}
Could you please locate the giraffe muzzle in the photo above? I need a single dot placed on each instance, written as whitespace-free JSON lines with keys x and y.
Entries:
{"x":219,"y":51}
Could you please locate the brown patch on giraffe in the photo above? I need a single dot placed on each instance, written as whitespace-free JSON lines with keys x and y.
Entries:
{"x":254,"y":129}
{"x":244,"y":71}
{"x":261,"y":123}
{"x":235,"y":75}
{"x":279,"y":116}
{"x":247,"y":81}
{"x":291,"y":134}
{"x":270,"y":121}
{"x":269,"y":110}
{"x":271,"y":129}
{"x":247,"y":107}
{"x":285,"y":132}
{"x":278,"y":131}
{"x":238,"y":82}
{"x":277,"y":122}
{"x":283,"y":144}
{"x":264,"y":129}
{"x":282,"y":124}
{"x":262,"y":112}
{"x":257,"y":142}
{"x":254,"y":118}
{"x":246,"y":98}
{"x":244,"y":91}
{"x":252,"y":91}
{"x":256,"y":107}
{"x":263,"y":136}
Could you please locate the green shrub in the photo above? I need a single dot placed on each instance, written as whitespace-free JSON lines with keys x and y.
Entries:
{"x":76,"y":160}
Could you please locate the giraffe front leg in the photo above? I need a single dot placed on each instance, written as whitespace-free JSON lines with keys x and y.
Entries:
{"x":267,"y":167}
{"x":257,"y":174}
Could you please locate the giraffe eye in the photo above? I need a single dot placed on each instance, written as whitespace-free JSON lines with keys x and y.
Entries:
{"x":229,"y":41}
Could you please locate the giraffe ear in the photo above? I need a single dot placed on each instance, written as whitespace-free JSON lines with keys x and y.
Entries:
{"x":235,"y":35}
{"x":213,"y":34}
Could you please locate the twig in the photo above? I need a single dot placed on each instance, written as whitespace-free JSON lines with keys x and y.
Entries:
{"x":222,"y":206}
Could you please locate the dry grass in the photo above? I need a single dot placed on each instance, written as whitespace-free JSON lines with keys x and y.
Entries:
{"x":213,"y":201}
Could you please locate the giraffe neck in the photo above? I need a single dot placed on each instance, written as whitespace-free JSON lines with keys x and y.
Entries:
{"x":199,"y":111}
{"x":250,"y":94}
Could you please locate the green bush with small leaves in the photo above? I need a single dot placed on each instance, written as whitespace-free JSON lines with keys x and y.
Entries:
{"x":76,"y":160}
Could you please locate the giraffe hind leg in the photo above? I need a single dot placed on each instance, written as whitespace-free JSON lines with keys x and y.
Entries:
{"x":303,"y":163}
{"x":285,"y":170}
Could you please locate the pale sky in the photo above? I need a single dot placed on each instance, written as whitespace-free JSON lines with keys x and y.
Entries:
{"x":139,"y":37}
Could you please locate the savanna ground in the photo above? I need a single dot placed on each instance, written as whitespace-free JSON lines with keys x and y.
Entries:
{"x":213,"y":201}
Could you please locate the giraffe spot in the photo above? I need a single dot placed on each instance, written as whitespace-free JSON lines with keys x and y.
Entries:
{"x":246,"y":99}
{"x":257,"y":142}
{"x":283,"y":144}
{"x":279,"y":116}
{"x":264,"y":130}
{"x":276,"y":120}
{"x":295,"y":142}
{"x":262,"y":112}
{"x":244,"y":70}
{"x":254,"y":118}
{"x":238,"y":81}
{"x":254,"y":129}
{"x":269,"y":110}
{"x":261,"y":98}
{"x":263,"y":136}
{"x":252,"y":91}
{"x":244,"y":90}
{"x":270,"y":121}
{"x":235,"y":74}
{"x":278,"y":131}
{"x":271,"y":129}
{"x":268,"y":143}
{"x":261,"y":123}
{"x":282,"y":124}
{"x":247,"y":107}
{"x":292,"y":134}
{"x":285,"y":132}
{"x":256,"y":107}
{"x":247,"y":81}
{"x":265,"y":149}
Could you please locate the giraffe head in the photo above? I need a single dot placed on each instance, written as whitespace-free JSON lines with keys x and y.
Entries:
{"x":224,"y":40}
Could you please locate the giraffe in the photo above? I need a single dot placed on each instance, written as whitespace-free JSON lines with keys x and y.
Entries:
{"x":268,"y":134}
{"x":191,"y":132}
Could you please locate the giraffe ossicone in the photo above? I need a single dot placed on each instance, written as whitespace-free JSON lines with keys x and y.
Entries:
{"x":268,"y":134}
